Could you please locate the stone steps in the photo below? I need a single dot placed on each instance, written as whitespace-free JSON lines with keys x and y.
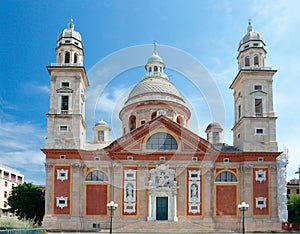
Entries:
{"x":164,"y":227}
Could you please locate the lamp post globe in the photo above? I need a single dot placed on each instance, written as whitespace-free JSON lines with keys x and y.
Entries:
{"x":112,"y":206}
{"x":243,"y":207}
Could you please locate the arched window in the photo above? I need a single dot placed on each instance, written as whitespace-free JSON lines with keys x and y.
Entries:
{"x":247,"y":61}
{"x":155,"y":68}
{"x":75,"y":58}
{"x":256,"y":63}
{"x":179,"y":120}
{"x":161,"y":141}
{"x":226,"y":176}
{"x":150,"y":69}
{"x":132,"y":122}
{"x":67,"y":57}
{"x":153,"y":115}
{"x":96,"y":176}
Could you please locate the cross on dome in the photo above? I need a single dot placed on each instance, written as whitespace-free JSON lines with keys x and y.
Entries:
{"x":250,"y":28}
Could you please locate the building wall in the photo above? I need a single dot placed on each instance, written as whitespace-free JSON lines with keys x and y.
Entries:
{"x":87,"y":200}
{"x":9,"y":178}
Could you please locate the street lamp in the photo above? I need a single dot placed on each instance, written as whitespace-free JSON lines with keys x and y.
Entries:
{"x":243,"y":207}
{"x":112,"y":206}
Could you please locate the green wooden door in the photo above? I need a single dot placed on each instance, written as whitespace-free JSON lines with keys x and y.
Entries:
{"x":161,"y":208}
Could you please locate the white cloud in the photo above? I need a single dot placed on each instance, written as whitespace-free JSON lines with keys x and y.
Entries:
{"x":20,"y":144}
{"x":36,"y":87}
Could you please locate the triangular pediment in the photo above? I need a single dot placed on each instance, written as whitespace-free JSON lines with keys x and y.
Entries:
{"x":135,"y":141}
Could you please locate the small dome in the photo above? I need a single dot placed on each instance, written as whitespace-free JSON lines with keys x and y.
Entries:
{"x":214,"y":126}
{"x":70,"y":32}
{"x":251,"y":36}
{"x":101,"y":123}
{"x":154,"y":58}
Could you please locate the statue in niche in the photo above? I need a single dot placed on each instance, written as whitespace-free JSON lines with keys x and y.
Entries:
{"x":129,"y":192}
{"x":194,"y":191}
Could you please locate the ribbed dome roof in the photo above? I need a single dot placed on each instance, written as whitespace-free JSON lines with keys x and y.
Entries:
{"x":70,"y":32}
{"x":155,"y":89}
{"x":101,"y":123}
{"x":214,"y":126}
{"x":155,"y":58}
{"x":154,"y":85}
{"x":251,"y":36}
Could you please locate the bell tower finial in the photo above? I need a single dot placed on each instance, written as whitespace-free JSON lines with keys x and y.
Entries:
{"x":249,"y":28}
{"x":70,"y":24}
{"x":155,"y":47}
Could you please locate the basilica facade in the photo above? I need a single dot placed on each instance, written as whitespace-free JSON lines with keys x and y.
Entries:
{"x":159,"y":170}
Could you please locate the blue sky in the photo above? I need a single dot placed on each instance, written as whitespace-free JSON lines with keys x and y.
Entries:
{"x":206,"y":30}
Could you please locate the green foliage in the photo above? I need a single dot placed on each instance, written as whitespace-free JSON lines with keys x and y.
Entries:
{"x":293,"y":204}
{"x":28,"y":202}
{"x":13,"y":223}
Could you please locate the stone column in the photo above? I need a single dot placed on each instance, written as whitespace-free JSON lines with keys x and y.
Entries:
{"x":77,"y":188}
{"x":142,"y":198}
{"x":208,"y":189}
{"x":116,"y":186}
{"x":273,"y":180}
{"x":245,"y":183}
{"x":48,"y":188}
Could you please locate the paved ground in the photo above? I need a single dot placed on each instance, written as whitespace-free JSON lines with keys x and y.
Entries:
{"x":162,"y":232}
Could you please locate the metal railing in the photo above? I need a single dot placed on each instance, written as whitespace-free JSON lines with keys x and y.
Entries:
{"x":23,"y":231}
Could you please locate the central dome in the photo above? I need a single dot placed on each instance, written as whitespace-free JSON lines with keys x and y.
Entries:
{"x":154,"y":95}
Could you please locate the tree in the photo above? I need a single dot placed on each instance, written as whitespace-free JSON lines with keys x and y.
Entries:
{"x":294,"y":208}
{"x":27,"y":201}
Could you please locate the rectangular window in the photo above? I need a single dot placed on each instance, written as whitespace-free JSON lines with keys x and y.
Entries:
{"x":6,"y":175}
{"x":239,"y":111}
{"x":257,"y":87}
{"x":65,"y":103}
{"x":65,"y":84}
{"x":259,"y":131}
{"x":62,"y":156}
{"x":63,"y":128}
{"x":258,"y":107}
{"x":194,"y":159}
{"x":101,"y":135}
{"x":20,"y":179}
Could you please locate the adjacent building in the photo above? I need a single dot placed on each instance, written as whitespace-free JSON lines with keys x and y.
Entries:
{"x":9,"y":178}
{"x":159,"y":170}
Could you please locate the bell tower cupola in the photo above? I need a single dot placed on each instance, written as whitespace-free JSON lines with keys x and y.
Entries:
{"x":251,"y":50}
{"x":255,"y":122}
{"x":69,"y":48}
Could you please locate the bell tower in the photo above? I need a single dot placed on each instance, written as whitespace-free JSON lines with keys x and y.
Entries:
{"x":68,"y":81}
{"x":254,"y":118}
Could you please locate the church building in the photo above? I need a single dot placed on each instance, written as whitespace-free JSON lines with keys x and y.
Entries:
{"x":159,"y":171}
